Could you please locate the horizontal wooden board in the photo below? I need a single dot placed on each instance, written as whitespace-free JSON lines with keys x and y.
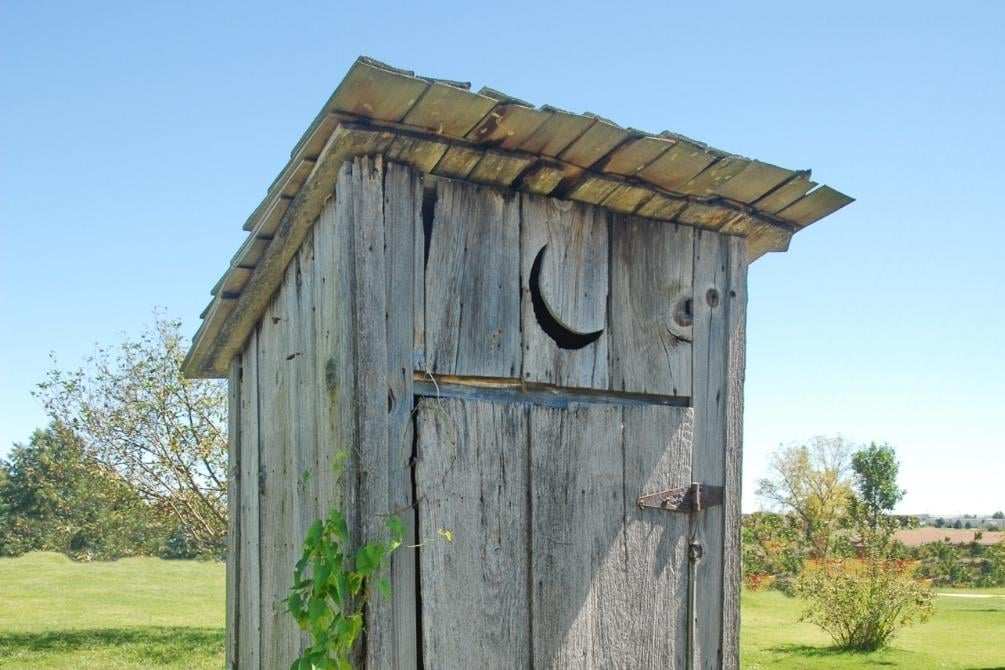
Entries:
{"x":554,"y":135}
{"x":508,"y":126}
{"x":448,"y":110}
{"x":634,"y":155}
{"x":814,"y":206}
{"x":675,"y":166}
{"x":783,"y":196}
{"x":598,"y":140}
{"x":375,"y":91}
{"x":714,"y":176}
{"x":755,"y":180}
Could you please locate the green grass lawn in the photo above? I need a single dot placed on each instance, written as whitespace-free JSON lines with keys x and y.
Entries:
{"x":132,"y":613}
{"x":149,"y":613}
{"x":965,"y":633}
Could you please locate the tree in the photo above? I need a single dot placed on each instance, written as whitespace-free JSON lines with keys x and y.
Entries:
{"x":958,"y":525}
{"x":135,"y":412}
{"x":861,"y":607}
{"x":998,"y":515}
{"x":811,"y":481}
{"x":875,"y":469}
{"x":940,"y":523}
{"x":771,"y":548}
{"x":57,"y":497}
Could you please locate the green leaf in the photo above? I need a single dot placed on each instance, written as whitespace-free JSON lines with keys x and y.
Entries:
{"x":395,"y":525}
{"x":316,"y":609}
{"x":368,"y":557}
{"x":294,"y":603}
{"x":339,"y":584}
{"x":355,"y":581}
{"x":322,"y":570}
{"x":384,"y":586}
{"x":339,"y":527}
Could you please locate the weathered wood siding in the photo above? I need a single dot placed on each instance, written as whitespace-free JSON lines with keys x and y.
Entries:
{"x":306,"y":386}
{"x":550,"y":556}
{"x":473,"y":282}
{"x":551,"y":565}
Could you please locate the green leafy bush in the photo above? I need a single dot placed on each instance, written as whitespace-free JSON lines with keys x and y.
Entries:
{"x":861,"y":604}
{"x":861,"y":609}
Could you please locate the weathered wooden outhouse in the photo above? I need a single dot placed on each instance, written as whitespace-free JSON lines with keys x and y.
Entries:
{"x":526,"y":326}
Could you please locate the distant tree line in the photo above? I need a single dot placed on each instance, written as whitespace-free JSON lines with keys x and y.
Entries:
{"x":133,"y":462}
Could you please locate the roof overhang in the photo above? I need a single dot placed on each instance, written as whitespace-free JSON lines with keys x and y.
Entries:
{"x":441,"y":128}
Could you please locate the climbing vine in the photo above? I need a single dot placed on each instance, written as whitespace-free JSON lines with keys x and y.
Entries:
{"x":330,"y":585}
{"x":331,"y":582}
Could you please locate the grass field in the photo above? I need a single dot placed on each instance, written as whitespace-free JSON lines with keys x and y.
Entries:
{"x":149,"y":613}
{"x":965,"y":633}
{"x":133,"y":613}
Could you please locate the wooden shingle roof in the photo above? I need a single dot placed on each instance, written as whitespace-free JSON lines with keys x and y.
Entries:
{"x":442,"y":128}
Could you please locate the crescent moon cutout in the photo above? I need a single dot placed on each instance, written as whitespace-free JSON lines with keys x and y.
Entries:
{"x":563,"y":337}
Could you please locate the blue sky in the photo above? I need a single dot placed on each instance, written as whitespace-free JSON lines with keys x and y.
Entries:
{"x":137,"y":137}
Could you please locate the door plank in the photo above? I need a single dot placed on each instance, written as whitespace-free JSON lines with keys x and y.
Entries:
{"x":608,"y":579}
{"x":577,"y":510}
{"x":472,"y":476}
{"x":658,"y":451}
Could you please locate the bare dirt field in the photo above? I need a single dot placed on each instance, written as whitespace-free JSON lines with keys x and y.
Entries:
{"x":914,"y":537}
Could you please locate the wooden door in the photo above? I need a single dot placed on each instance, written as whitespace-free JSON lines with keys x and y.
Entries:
{"x":550,"y":563}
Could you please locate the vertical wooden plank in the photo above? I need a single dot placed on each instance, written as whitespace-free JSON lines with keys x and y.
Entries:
{"x":577,"y":514}
{"x":336,"y":348}
{"x":736,"y":342}
{"x":233,"y":512}
{"x":402,"y":218}
{"x":472,"y":477}
{"x":571,"y":285}
{"x":334,"y":395}
{"x":371,"y":386}
{"x":287,"y":354}
{"x":643,"y":623}
{"x":473,"y":282}
{"x":608,"y":579}
{"x":419,"y":277}
{"x":651,"y":298}
{"x":249,"y":588}
{"x":711,"y":283}
{"x":275,"y":512}
{"x":300,"y":357}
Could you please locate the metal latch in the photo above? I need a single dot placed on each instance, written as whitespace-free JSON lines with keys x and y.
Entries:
{"x":686,"y":499}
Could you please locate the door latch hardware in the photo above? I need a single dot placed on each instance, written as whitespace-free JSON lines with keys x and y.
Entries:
{"x":687,"y":499}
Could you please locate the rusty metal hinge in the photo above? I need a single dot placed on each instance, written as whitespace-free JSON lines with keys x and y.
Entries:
{"x":693,"y":498}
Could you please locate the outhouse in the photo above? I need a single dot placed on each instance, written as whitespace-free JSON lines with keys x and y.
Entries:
{"x":526,"y":329}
